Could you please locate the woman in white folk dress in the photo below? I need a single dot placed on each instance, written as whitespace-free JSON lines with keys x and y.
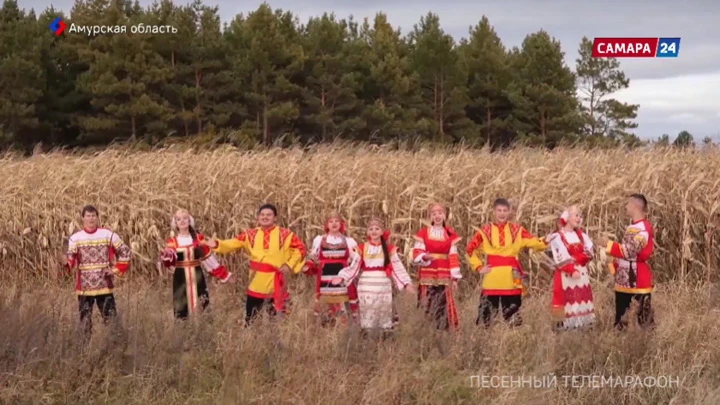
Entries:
{"x":378,"y":267}
{"x":572,"y":250}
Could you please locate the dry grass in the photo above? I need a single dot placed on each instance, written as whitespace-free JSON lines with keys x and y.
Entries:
{"x":216,"y":361}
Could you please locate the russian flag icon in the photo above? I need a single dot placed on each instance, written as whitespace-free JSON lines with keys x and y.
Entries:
{"x":57,"y":26}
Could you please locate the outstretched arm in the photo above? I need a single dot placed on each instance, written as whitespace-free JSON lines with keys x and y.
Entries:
{"x":210,"y":264}
{"x":122,"y":253}
{"x":310,"y":267}
{"x":627,"y":250}
{"x":350,"y":273}
{"x":474,"y":250}
{"x":531,"y":242}
{"x":168,"y":255}
{"x":296,"y":253}
{"x":230,"y":245}
{"x":354,"y":255}
{"x":399,"y":273}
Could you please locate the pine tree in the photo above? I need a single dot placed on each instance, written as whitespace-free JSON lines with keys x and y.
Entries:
{"x":204,"y":91}
{"x":543,"y":92}
{"x":177,"y":56}
{"x":664,"y":140}
{"x":442,"y":79}
{"x":486,"y":61}
{"x":60,"y":103}
{"x":599,"y":78}
{"x":330,"y":94}
{"x":390,"y":90}
{"x":125,"y":77}
{"x":22,"y":77}
{"x":264,"y":77}
{"x":269,"y":55}
{"x":684,"y":140}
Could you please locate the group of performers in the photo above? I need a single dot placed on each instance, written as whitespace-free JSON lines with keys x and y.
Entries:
{"x":354,"y":281}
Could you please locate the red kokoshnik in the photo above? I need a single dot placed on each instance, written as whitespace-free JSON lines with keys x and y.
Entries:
{"x":334,"y":215}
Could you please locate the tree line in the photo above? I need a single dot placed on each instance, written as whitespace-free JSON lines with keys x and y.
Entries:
{"x":266,"y":76}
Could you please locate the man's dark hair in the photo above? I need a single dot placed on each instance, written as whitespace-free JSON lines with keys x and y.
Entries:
{"x":641,"y":198}
{"x":89,"y":209}
{"x":501,"y":202}
{"x":268,"y":207}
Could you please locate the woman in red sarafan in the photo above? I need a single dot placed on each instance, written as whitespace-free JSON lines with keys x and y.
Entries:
{"x":572,"y":250}
{"x":329,"y":254}
{"x":436,"y":255}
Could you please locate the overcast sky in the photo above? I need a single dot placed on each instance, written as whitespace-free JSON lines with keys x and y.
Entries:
{"x":674,"y":94}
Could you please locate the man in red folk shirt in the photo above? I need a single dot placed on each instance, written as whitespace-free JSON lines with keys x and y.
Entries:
{"x":633,"y":278}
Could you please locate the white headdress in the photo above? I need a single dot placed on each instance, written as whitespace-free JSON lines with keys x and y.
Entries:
{"x":562,"y":221}
{"x":173,"y":221}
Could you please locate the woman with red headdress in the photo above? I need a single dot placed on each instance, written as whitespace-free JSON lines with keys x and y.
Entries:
{"x":329,"y":254}
{"x":377,"y":268}
{"x":572,"y":249}
{"x":435,"y":253}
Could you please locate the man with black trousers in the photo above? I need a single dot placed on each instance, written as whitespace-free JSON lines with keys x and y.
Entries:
{"x":633,"y":277}
{"x":100,"y":256}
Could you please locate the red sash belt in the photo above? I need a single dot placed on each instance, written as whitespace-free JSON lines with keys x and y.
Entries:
{"x":439,"y":264}
{"x":280,"y":295}
{"x":323,"y":262}
{"x":189,"y":263}
{"x":501,"y":261}
{"x":263,"y":267}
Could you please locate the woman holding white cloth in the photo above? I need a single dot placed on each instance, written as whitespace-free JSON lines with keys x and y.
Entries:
{"x":572,"y":250}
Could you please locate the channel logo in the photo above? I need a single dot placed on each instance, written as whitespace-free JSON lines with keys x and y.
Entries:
{"x":650,"y":47}
{"x":57,"y":26}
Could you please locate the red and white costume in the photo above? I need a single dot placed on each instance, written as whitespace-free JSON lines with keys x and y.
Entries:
{"x":436,"y":254}
{"x":188,"y":256}
{"x":93,"y":252}
{"x":331,"y":254}
{"x":375,"y":281}
{"x":630,"y":256}
{"x":572,"y":299}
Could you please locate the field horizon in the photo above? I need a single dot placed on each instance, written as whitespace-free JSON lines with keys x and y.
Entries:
{"x":214,"y":360}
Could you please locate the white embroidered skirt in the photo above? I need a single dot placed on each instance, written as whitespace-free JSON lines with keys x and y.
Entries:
{"x":375,"y":300}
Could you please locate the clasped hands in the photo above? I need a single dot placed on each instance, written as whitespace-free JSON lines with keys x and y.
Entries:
{"x":211,"y":243}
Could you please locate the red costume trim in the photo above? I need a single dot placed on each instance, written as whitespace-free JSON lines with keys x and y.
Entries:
{"x":561,"y":296}
{"x":516,"y":291}
{"x":502,"y":261}
{"x":279,"y":294}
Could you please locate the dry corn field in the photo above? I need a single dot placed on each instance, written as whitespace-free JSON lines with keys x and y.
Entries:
{"x":212,"y":359}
